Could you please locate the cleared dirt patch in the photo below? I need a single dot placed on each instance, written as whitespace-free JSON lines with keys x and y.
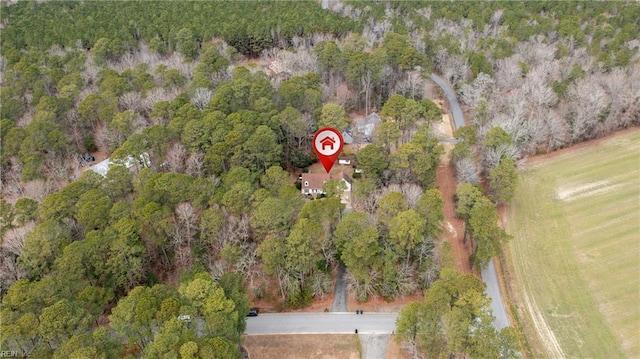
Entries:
{"x":395,"y":351}
{"x":588,"y":189}
{"x":453,"y":228}
{"x":309,"y":346}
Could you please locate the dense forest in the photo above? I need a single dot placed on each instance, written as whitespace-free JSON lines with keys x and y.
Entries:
{"x":207,"y":109}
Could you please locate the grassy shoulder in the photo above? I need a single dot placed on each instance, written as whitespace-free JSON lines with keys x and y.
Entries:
{"x":573,"y":262}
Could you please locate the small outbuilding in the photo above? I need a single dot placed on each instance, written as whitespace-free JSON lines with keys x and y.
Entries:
{"x":344,"y":161}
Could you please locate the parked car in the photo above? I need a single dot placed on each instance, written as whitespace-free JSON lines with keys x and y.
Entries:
{"x":87,"y":157}
{"x":253,"y":312}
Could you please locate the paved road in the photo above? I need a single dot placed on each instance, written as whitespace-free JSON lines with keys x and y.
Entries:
{"x":458,"y":118}
{"x":489,"y":275}
{"x":493,"y":291}
{"x":322,"y":323}
{"x":340,"y":291}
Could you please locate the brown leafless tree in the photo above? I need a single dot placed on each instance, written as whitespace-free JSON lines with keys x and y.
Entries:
{"x":12,"y":186}
{"x":412,"y":86}
{"x":186,"y":223}
{"x":37,"y":190}
{"x":466,"y":171}
{"x":13,"y":239}
{"x":201,"y":97}
{"x":195,"y":164}
{"x":588,"y":105}
{"x":454,"y":68}
{"x":480,"y":89}
{"x":9,"y":270}
{"x":131,"y":101}
{"x":176,"y":157}
{"x":361,"y":290}
{"x":12,"y":243}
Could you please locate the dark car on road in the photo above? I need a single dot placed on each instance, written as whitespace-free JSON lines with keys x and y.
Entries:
{"x":252,"y":313}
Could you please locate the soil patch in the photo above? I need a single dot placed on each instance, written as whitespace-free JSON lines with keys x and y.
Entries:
{"x":395,"y":351}
{"x":453,"y":228}
{"x":568,"y":194}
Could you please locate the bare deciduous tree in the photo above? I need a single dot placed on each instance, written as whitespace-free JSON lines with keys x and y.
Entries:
{"x":466,"y":171}
{"x":90,"y":73}
{"x":236,"y":229}
{"x":26,"y":117}
{"x":12,"y":243}
{"x":37,"y":190}
{"x":412,"y":194}
{"x":558,"y":130}
{"x":186,"y":224}
{"x":176,"y":157}
{"x":412,"y":86}
{"x":201,"y":97}
{"x":103,"y":141}
{"x":195,"y":164}
{"x":480,"y":89}
{"x":11,"y":184}
{"x":589,"y":103}
{"x":508,"y":73}
{"x":298,"y":63}
{"x":454,"y":68}
{"x":492,"y":156}
{"x":13,"y":239}
{"x":131,"y":101}
{"x":361,"y":290}
{"x":406,"y":278}
{"x":9,"y":270}
{"x":321,"y":284}
{"x":427,"y":261}
{"x":536,"y":88}
{"x":537,"y":51}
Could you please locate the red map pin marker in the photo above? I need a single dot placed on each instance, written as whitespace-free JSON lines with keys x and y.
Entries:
{"x":327,"y":144}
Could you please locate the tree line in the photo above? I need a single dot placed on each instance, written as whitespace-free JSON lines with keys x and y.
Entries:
{"x":165,"y":26}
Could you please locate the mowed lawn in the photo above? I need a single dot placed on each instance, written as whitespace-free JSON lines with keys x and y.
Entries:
{"x":575,"y":255}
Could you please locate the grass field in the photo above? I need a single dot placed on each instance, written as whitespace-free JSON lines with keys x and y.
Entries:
{"x":574,"y":262}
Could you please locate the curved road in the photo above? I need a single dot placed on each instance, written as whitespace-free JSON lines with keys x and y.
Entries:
{"x":489,"y":275}
{"x":458,"y":118}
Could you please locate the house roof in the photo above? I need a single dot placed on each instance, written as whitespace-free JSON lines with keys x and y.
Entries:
{"x":346,"y":136}
{"x":345,"y":177}
{"x":366,"y":126}
{"x":316,"y":180}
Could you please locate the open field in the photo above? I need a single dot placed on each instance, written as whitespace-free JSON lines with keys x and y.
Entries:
{"x":574,"y":262}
